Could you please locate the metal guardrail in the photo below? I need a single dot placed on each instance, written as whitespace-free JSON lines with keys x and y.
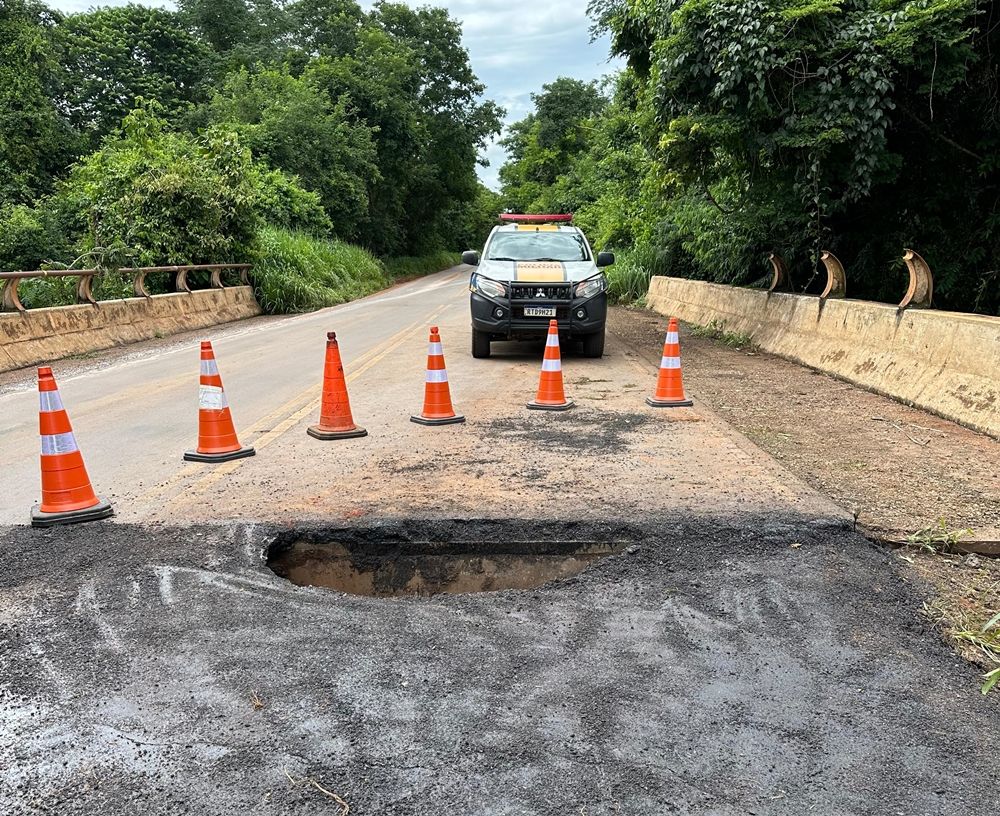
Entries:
{"x":10,"y":302}
{"x":919,"y":292}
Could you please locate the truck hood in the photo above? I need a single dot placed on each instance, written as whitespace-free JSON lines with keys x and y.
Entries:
{"x":537,"y":271}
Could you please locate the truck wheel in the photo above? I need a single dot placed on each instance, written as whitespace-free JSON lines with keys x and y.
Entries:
{"x":480,"y":345}
{"x":593,"y":344}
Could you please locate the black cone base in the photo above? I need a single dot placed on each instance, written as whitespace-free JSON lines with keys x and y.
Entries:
{"x":664,"y":404}
{"x":538,"y":406}
{"x":213,"y":458}
{"x":446,"y":421}
{"x":316,"y":432}
{"x":102,"y":510}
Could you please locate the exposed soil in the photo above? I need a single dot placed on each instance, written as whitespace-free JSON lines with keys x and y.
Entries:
{"x":902,"y":470}
{"x":385,"y":567}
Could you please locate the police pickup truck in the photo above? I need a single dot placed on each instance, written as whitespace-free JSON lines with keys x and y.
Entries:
{"x":536,"y":268}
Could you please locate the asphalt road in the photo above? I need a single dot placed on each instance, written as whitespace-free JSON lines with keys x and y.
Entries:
{"x":746,"y":653}
{"x":135,"y":413}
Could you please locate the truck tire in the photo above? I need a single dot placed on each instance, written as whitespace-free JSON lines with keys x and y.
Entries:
{"x":593,"y":344}
{"x":480,"y":345}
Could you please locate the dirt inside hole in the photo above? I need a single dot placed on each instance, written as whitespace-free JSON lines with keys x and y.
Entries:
{"x":391,"y":568}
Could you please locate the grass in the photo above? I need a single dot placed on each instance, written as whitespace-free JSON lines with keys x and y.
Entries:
{"x":967,"y":603}
{"x":414,"y":266}
{"x":717,"y":331}
{"x":967,"y":610}
{"x":628,"y":279}
{"x":295,"y":272}
{"x":937,"y":538}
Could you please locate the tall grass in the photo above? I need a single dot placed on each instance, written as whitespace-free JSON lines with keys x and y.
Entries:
{"x":295,"y":272}
{"x":628,"y":279}
{"x":412,"y":266}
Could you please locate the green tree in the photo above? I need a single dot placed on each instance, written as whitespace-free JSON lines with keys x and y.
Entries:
{"x":325,"y":27}
{"x":113,"y":56}
{"x":545,"y":145}
{"x":153,"y":197}
{"x":241,"y":33}
{"x":36,"y":142}
{"x":290,"y":124}
{"x":860,"y":126}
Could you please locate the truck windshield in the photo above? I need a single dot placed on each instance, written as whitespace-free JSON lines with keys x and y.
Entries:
{"x":538,"y":246}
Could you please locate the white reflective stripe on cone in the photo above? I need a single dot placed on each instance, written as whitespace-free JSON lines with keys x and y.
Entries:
{"x":551,"y":365}
{"x":437,"y":375}
{"x":209,"y":367}
{"x":670,"y":362}
{"x":212,"y":398}
{"x":435,"y":350}
{"x":49,"y":401}
{"x":553,"y":340}
{"x":54,"y":444}
{"x":672,"y":337}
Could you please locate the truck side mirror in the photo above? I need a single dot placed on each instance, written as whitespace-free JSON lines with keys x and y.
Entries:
{"x":470,"y":257}
{"x":605,"y":259}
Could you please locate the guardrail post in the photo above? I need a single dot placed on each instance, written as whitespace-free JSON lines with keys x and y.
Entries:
{"x":836,"y":277}
{"x":245,"y":275}
{"x":181,"y":281}
{"x":139,"y":283}
{"x":10,"y":300}
{"x":216,"y":282}
{"x":84,"y":292}
{"x":781,"y":281}
{"x":920,"y":292}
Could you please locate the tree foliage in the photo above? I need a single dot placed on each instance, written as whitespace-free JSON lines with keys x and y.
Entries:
{"x":314,"y":116}
{"x":36,"y":143}
{"x":860,"y":126}
{"x":113,"y":56}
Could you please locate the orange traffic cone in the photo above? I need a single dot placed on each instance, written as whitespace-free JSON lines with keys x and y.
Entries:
{"x":437,"y":395}
{"x":67,"y":496}
{"x":217,"y":440}
{"x":670,"y":384}
{"x":335,"y":418}
{"x":551,"y":396}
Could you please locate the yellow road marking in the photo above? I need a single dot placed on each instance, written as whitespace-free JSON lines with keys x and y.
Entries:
{"x":291,"y":421}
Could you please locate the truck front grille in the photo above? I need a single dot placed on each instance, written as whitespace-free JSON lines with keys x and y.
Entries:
{"x":540,"y":291}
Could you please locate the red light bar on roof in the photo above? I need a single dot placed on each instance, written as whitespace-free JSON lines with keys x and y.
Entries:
{"x":535,"y":219}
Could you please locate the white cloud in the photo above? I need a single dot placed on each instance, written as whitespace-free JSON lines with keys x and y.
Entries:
{"x":515,"y":46}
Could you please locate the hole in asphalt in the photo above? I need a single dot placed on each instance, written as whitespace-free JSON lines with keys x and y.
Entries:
{"x":372,"y":564}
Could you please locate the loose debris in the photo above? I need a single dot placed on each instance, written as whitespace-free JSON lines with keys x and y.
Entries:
{"x":308,"y":781}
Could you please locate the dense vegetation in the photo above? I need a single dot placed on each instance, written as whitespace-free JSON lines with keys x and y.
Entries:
{"x":232,"y":130}
{"x":737,"y":128}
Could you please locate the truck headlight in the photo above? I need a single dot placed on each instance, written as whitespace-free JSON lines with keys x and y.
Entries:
{"x":591,"y":287}
{"x":485,"y":286}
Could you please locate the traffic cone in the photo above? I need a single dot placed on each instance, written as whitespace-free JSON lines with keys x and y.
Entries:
{"x":670,"y":384}
{"x":67,"y":496}
{"x":437,"y":395}
{"x":217,"y":440}
{"x":335,"y":418}
{"x":551,"y":396}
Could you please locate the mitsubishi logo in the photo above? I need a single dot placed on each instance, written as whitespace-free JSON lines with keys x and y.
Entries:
{"x":540,"y":293}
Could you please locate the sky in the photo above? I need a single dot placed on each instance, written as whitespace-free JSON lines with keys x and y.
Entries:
{"x":515,"y":47}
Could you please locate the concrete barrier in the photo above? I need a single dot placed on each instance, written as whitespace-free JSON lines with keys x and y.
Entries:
{"x":42,"y":335}
{"x":944,"y":362}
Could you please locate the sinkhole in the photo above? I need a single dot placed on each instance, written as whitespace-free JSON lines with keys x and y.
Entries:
{"x":384,"y":563}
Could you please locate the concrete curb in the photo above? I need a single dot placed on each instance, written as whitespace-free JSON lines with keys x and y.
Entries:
{"x":43,"y":335}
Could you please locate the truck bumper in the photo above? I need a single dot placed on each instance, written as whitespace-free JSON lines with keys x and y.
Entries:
{"x":504,"y":319}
